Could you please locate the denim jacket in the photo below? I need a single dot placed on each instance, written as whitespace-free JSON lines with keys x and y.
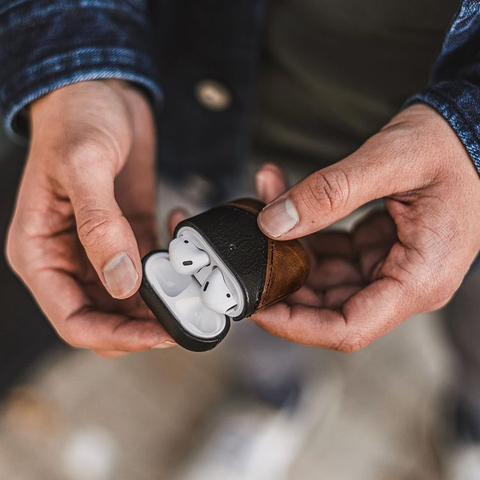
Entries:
{"x":168,"y":47}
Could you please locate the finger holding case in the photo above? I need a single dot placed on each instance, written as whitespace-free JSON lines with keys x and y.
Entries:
{"x":257,"y":270}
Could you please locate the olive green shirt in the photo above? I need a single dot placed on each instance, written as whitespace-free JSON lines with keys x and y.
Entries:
{"x":333,"y":72}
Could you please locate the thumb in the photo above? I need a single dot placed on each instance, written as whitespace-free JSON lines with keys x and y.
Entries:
{"x":328,"y":195}
{"x":105,"y":233}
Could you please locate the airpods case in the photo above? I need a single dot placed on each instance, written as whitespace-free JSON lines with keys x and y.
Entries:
{"x":257,"y":271}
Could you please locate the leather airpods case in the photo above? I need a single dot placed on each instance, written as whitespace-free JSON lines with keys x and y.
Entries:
{"x":258,"y":272}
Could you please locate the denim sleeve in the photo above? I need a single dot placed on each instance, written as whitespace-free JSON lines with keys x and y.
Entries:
{"x":454,"y":90}
{"x":48,"y":44}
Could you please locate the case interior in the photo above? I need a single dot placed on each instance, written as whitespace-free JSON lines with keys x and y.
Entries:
{"x":181,"y":293}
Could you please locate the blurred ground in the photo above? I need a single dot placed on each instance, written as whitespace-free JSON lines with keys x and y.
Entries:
{"x":137,"y":417}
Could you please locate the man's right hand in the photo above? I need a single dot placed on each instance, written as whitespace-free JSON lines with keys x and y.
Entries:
{"x":85,"y":212}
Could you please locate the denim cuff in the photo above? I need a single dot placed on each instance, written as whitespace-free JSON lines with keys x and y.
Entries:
{"x":459,"y":104}
{"x":49,"y":44}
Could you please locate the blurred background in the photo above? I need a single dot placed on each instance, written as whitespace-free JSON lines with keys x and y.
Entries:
{"x":66,"y":414}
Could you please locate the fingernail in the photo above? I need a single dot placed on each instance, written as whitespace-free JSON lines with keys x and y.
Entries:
{"x":120,"y":275}
{"x":165,"y":344}
{"x":260,"y":186}
{"x":279,"y":217}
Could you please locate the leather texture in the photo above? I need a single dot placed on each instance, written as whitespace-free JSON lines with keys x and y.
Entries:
{"x":287,"y":271}
{"x":170,"y":323}
{"x":232,"y":231}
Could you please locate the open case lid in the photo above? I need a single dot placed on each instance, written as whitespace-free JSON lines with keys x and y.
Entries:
{"x":175,"y":301}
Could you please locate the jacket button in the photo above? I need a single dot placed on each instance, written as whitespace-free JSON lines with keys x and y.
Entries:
{"x":213,"y":95}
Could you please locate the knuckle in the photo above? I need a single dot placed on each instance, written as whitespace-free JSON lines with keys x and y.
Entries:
{"x":87,"y":146}
{"x":351,"y":343}
{"x":394,"y":139}
{"x":94,"y":227}
{"x":82,"y":155}
{"x":329,"y":190}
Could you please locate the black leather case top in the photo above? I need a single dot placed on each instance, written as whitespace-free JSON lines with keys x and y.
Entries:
{"x":233,"y":233}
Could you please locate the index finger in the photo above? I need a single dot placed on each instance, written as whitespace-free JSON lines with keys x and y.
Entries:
{"x":81,"y":324}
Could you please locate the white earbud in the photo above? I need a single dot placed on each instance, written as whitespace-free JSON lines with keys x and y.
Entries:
{"x":186,"y":258}
{"x":215,"y":294}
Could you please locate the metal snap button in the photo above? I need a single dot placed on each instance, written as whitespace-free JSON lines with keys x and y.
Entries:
{"x":213,"y":95}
